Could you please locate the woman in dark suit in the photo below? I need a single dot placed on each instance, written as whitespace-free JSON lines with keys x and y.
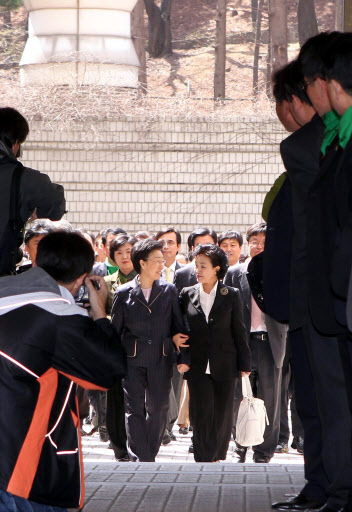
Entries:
{"x":219,"y":351}
{"x":147,"y":315}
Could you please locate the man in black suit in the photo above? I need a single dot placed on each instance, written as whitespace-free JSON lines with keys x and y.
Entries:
{"x":171,"y":239}
{"x":309,"y":155}
{"x":267,"y":342}
{"x":186,"y":276}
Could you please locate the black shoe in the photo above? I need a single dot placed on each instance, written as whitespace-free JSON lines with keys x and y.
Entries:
{"x":326,"y":508}
{"x":299,"y":502}
{"x":282,"y":447}
{"x":261,"y":459}
{"x":184,"y":431}
{"x":125,"y":458}
{"x":297,"y":443}
{"x":190,"y":428}
{"x":103,"y":436}
{"x":172,"y":435}
{"x":190,"y":448}
{"x":166,"y":438}
{"x":241,"y":452}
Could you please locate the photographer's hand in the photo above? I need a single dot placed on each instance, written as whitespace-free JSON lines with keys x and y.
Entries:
{"x":97,"y":298}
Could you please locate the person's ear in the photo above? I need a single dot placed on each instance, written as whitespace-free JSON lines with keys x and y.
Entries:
{"x":78,"y":282}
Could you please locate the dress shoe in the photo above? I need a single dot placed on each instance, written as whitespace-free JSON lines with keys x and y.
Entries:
{"x":184,"y":431}
{"x":166,"y":438}
{"x":326,"y":508}
{"x":297,"y":443}
{"x":241,"y":452}
{"x":103,"y":436}
{"x":299,"y":502}
{"x":282,"y":447}
{"x":172,"y":435}
{"x":125,"y":458}
{"x":190,"y":448}
{"x":261,"y":459}
{"x":190,"y":428}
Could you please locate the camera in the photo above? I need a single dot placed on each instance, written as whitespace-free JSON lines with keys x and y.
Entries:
{"x":82,"y":295}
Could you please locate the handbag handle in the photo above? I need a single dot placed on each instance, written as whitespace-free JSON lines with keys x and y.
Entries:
{"x":246,"y":387}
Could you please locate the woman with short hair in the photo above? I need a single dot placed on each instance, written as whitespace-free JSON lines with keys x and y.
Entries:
{"x":219,"y":352}
{"x":147,"y":315}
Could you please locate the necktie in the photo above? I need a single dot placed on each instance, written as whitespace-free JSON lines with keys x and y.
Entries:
{"x":168,"y":274}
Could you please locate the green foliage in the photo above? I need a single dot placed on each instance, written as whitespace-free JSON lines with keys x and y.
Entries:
{"x":9,"y":5}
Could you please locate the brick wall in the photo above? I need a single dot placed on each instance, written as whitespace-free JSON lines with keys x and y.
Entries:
{"x":147,"y":174}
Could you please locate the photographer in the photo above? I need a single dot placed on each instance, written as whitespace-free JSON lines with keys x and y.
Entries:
{"x":24,"y":193}
{"x":47,"y":344}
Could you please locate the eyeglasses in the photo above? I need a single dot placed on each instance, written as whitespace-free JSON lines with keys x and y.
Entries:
{"x":156,"y":261}
{"x":307,"y":83}
{"x":168,"y":242}
{"x":254,"y":243}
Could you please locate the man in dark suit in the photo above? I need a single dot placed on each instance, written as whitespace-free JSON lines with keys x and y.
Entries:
{"x":267,"y":342}
{"x":107,"y":267}
{"x":186,"y":276}
{"x":310,"y":156}
{"x":146,"y":313}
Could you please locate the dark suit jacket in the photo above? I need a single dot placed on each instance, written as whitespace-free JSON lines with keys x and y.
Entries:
{"x":146,"y":329}
{"x":237,"y":277}
{"x":185,"y":276}
{"x":349,"y":305}
{"x":301,"y":156}
{"x":223,"y":340}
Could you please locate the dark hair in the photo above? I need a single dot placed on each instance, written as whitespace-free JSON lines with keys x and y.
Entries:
{"x":338,"y":61}
{"x":216,"y":255}
{"x":312,"y":53}
{"x":169,"y":230}
{"x":65,"y":256}
{"x":142,"y":235}
{"x":288,"y":82}
{"x":83,"y":231}
{"x":141,"y":250}
{"x":231,"y":235}
{"x":39,"y":227}
{"x":119,"y":242}
{"x":112,"y":231}
{"x":256,"y":229}
{"x":13,"y":126}
{"x":201,"y":232}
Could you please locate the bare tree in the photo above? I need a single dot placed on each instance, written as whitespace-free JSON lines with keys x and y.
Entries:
{"x":220,"y":50}
{"x":339,"y":6}
{"x":257,"y":47}
{"x":278,"y":32}
{"x":6,"y":7}
{"x":160,"y":40}
{"x":138,"y":39}
{"x":307,"y":20}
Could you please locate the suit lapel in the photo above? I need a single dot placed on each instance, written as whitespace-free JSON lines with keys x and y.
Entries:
{"x":194,"y":296}
{"x":246,"y":292}
{"x":220,"y":298}
{"x":156,"y":291}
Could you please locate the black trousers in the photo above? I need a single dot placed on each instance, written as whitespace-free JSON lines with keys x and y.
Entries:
{"x":323,"y":407}
{"x":287,"y":392}
{"x":210,"y":406}
{"x":175,"y":397}
{"x":115,"y":420}
{"x":146,"y":391}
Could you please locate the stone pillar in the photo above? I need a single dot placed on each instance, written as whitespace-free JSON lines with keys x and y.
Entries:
{"x":86,"y":42}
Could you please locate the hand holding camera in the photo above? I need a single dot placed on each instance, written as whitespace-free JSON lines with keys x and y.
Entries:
{"x":97,"y":292}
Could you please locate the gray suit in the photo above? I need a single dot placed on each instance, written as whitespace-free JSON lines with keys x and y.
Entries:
{"x":267,"y":360}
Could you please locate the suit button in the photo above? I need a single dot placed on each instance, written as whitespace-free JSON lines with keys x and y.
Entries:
{"x":149,"y":342}
{"x":211,"y":319}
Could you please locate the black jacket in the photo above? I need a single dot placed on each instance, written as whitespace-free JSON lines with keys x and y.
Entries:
{"x":146,"y":329}
{"x":223,"y":340}
{"x":46,"y":344}
{"x":185,"y":276}
{"x":36,"y":191}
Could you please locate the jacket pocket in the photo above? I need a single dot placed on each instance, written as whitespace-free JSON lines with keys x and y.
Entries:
{"x":168,"y":345}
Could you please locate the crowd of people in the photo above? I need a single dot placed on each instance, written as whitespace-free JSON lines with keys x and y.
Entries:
{"x":152,"y":337}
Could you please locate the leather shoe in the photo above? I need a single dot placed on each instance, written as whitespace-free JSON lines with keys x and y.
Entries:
{"x":190,"y":448}
{"x":299,"y":502}
{"x":282,"y":447}
{"x":166,"y":438}
{"x":183,"y":431}
{"x":297,"y":443}
{"x":172,"y":435}
{"x":241,"y":452}
{"x":261,"y":459}
{"x":326,"y":508}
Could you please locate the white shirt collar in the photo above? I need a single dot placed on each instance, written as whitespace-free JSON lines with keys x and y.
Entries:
{"x":66,"y":294}
{"x":171,"y":267}
{"x":213,"y":290}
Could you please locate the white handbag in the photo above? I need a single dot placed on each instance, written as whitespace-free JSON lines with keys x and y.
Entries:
{"x":252,"y":417}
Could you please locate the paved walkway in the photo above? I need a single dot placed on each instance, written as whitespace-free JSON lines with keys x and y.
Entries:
{"x":175,"y":483}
